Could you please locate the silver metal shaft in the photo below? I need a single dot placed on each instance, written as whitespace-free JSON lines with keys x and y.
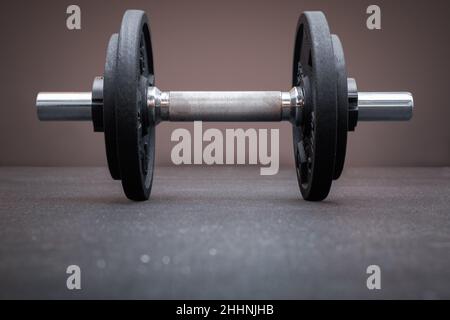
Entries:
{"x":385,"y":106}
{"x":64,"y":106}
{"x":225,"y":105}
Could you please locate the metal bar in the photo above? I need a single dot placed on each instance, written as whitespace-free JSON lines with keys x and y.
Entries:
{"x":385,"y":106}
{"x":225,"y":106}
{"x":64,"y":106}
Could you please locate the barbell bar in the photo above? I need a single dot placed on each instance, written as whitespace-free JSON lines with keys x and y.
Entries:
{"x":239,"y":106}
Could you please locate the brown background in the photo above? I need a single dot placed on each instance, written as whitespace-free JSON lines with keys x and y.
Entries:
{"x":224,"y":45}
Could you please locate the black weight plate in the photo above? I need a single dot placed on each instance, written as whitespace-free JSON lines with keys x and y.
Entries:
{"x":135,"y":132}
{"x":109,"y":113}
{"x":342,"y":107}
{"x":315,"y":139}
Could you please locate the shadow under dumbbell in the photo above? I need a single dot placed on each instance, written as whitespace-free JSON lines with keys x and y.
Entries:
{"x":227,"y":187}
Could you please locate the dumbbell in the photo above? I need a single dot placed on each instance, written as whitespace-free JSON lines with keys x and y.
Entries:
{"x":323,"y":105}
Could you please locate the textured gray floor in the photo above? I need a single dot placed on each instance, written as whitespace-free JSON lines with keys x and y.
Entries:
{"x":224,"y":233}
